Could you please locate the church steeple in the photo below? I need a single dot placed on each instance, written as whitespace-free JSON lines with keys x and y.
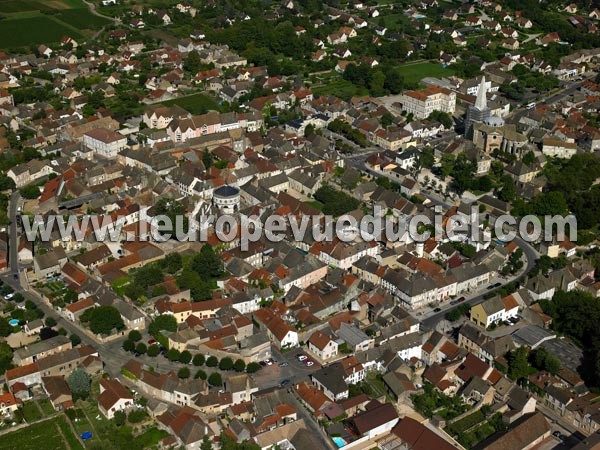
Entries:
{"x":481,"y":102}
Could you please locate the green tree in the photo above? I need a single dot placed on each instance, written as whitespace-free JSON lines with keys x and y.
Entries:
{"x":141,"y":348}
{"x":103,"y":319}
{"x":166,"y":322}
{"x":183,"y":373}
{"x":153,"y":350}
{"x":135,"y":335}
{"x":5,"y":328}
{"x":212,"y":361}
{"x":200,"y":374}
{"x":6,"y":356}
{"x":172,"y":262}
{"x":192,"y":62}
{"x":198,"y":360}
{"x":137,"y":415}
{"x":206,"y":443}
{"x":215,"y":379}
{"x":207,"y":159}
{"x":50,"y":322}
{"x":226,"y":363}
{"x":239,"y":365}
{"x":518,"y":367}
{"x":529,"y":158}
{"x":79,"y":382}
{"x":185,"y":357}
{"x":128,"y":345}
{"x":173,"y":354}
{"x":252,"y":367}
{"x":119,"y":418}
{"x":30,"y":192}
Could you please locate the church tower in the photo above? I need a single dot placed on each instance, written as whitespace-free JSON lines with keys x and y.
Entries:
{"x":478,"y":112}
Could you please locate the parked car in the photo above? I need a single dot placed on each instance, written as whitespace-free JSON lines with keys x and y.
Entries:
{"x":309,"y":363}
{"x":460,"y":299}
{"x":284,"y":383}
{"x":283,"y":364}
{"x":453,"y":302}
{"x":151,"y":341}
{"x":302,"y":357}
{"x":438,"y":309}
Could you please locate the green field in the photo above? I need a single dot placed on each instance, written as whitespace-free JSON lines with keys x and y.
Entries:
{"x":414,"y":73}
{"x":81,"y":18}
{"x":30,"y":22}
{"x":42,"y":435}
{"x":340,"y":88}
{"x":33,"y":30}
{"x":196,"y":103}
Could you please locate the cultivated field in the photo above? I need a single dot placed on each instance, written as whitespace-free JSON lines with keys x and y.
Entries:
{"x":30,"y":22}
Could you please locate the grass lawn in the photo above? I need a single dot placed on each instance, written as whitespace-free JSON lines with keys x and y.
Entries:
{"x":315,"y":204}
{"x":46,"y":407}
{"x":196,"y":103}
{"x":82,"y":424}
{"x":150,"y":438}
{"x":394,"y":21}
{"x":414,"y":73}
{"x":340,"y":88}
{"x":465,"y":423}
{"x":43,"y":435}
{"x":119,"y":284}
{"x":71,"y":439}
{"x":31,"y":412}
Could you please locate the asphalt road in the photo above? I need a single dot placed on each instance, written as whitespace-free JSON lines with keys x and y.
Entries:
{"x":529,"y":252}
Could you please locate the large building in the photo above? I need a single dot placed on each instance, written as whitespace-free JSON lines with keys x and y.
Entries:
{"x":423,"y":102}
{"x":105,"y":143}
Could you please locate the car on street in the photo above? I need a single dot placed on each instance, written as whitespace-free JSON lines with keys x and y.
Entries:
{"x":283,"y":364}
{"x":453,"y":302}
{"x":437,"y":309}
{"x":558,"y":435}
{"x":284,"y":383}
{"x":460,"y":299}
{"x":302,"y":357}
{"x":309,"y":363}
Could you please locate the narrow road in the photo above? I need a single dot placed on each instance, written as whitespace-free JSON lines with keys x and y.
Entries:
{"x":528,"y":250}
{"x":92,"y":8}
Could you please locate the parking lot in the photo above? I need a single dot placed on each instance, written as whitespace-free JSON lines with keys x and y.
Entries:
{"x":285,"y":368}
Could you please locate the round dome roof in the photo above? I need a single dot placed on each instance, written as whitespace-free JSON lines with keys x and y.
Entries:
{"x":226,"y":191}
{"x":494,"y":121}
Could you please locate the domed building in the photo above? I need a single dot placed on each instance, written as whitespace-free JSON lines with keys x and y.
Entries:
{"x":494,"y":122}
{"x":227,"y":199}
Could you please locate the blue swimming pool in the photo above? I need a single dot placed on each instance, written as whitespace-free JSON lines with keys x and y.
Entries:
{"x":13,"y":322}
{"x":339,"y":441}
